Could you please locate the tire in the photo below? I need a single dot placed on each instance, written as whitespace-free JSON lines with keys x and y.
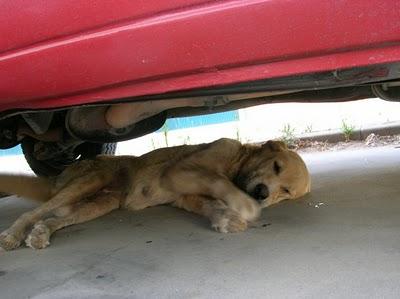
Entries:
{"x":89,"y":150}
{"x":53,"y":167}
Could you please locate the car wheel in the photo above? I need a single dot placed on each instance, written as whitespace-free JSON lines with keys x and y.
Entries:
{"x":55,"y":165}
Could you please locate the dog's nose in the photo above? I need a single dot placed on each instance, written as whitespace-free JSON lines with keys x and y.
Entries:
{"x":260,"y":192}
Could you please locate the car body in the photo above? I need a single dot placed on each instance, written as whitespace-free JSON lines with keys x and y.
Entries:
{"x":94,"y":72}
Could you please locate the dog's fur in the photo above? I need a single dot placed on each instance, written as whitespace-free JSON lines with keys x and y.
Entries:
{"x":225,"y":181}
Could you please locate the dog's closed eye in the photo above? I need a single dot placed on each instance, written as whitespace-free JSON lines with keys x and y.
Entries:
{"x":277,"y":168}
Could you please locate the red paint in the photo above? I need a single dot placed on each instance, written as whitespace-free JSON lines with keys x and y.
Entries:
{"x":62,"y":53}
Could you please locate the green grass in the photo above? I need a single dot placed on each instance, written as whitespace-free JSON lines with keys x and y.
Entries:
{"x":347,"y":130}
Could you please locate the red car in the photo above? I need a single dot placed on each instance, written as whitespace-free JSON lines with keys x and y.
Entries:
{"x":77,"y":76}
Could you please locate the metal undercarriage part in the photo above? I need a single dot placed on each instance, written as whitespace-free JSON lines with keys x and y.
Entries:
{"x":129,"y":118}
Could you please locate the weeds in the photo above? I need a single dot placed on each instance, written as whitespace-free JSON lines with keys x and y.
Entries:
{"x":238,"y":138}
{"x":347,"y":130}
{"x":309,"y":128}
{"x":165,"y":131}
{"x":288,"y":135}
{"x":153,"y":145}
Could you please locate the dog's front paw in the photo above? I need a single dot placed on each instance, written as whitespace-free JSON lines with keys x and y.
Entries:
{"x":39,"y":237}
{"x":245,"y":206}
{"x":228,"y":221}
{"x":8,"y":241}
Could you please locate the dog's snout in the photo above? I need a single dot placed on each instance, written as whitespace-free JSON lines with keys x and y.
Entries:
{"x":260,"y":192}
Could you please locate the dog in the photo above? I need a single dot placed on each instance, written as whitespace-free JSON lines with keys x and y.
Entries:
{"x":225,"y":181}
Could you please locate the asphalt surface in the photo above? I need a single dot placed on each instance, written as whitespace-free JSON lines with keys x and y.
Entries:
{"x":341,"y":241}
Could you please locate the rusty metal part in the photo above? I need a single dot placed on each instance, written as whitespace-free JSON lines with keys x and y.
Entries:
{"x":123,"y":115}
{"x":52,"y":135}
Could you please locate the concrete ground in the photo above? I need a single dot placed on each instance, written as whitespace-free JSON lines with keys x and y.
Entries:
{"x":342,"y":241}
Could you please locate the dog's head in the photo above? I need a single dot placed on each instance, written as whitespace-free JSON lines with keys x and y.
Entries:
{"x":273,"y":173}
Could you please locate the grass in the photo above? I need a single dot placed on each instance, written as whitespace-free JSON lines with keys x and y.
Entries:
{"x":288,"y":135}
{"x":238,"y":138}
{"x":309,"y":128}
{"x":186,"y":140}
{"x":153,"y":145}
{"x":165,"y":131}
{"x":347,"y":130}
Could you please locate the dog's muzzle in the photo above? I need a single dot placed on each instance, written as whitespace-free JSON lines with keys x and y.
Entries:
{"x":260,"y":192}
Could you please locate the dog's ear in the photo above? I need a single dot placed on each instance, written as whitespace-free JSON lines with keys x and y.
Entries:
{"x":275,"y":145}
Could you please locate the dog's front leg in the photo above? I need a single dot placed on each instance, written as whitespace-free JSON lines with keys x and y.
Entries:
{"x":185,"y":180}
{"x":222,"y":218}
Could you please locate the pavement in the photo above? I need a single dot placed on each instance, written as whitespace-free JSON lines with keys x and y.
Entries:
{"x":341,"y":241}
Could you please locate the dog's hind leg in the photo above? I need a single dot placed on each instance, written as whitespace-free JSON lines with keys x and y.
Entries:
{"x":222,"y":218}
{"x":80,"y":212}
{"x":79,"y":188}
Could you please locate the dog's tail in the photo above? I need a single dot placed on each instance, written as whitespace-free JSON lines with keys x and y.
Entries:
{"x":29,"y":187}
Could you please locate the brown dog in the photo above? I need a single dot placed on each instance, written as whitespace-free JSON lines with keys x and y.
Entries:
{"x":225,"y":181}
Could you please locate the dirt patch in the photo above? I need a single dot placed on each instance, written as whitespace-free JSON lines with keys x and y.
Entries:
{"x":373,"y":140}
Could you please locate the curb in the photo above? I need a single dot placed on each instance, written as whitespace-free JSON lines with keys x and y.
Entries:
{"x":333,"y":136}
